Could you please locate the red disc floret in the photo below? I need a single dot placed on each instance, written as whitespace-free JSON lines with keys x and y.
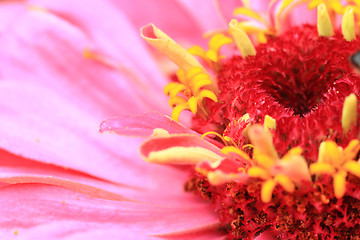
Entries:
{"x":299,"y":79}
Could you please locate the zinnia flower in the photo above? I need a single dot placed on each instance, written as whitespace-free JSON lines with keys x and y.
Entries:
{"x":279,"y":147}
{"x":282,"y":161}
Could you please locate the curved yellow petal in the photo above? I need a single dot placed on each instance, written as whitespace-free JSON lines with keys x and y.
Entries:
{"x":258,"y":172}
{"x":267,"y":190}
{"x":207,"y":94}
{"x":217,"y":41}
{"x":352,"y":167}
{"x":193,"y":104}
{"x":231,"y":149}
{"x":197,"y":51}
{"x":285,"y":182}
{"x":322,"y":168}
{"x":249,"y":13}
{"x":340,"y":184}
{"x":175,"y":114}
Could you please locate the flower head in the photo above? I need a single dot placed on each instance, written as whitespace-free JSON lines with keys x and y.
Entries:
{"x":285,"y":109}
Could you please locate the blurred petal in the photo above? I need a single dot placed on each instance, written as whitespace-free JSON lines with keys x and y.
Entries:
{"x":39,"y":124}
{"x":56,"y":44}
{"x":75,"y":213}
{"x":173,"y":17}
{"x":142,"y":125}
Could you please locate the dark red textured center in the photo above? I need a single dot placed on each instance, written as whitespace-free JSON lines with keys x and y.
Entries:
{"x":299,"y":79}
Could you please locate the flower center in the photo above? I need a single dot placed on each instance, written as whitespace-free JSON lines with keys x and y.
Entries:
{"x":298,"y":78}
{"x":295,"y":70}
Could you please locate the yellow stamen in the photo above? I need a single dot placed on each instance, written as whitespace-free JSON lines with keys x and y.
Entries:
{"x":162,"y":42}
{"x":283,"y":7}
{"x":267,"y":190}
{"x":175,"y":114}
{"x":258,"y":172}
{"x":262,"y":141}
{"x":293,"y":151}
{"x":285,"y":182}
{"x":214,"y":133}
{"x":269,"y":122}
{"x":249,"y":13}
{"x":230,"y":149}
{"x":212,"y":56}
{"x":193,"y":104}
{"x":352,"y":167}
{"x":333,"y":153}
{"x":242,"y":40}
{"x":189,"y":94}
{"x":177,"y":100}
{"x":322,"y":168}
{"x":207,"y":94}
{"x":351,"y":149}
{"x":349,"y":113}
{"x":324,"y":26}
{"x":340,"y":184}
{"x":347,"y":24}
{"x":263,"y":159}
{"x":322,"y":155}
{"x":182,"y":155}
{"x":217,"y":41}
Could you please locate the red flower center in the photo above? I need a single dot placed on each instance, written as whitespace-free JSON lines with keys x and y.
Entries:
{"x":299,"y":78}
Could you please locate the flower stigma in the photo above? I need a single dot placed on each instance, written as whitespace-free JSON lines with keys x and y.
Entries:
{"x":276,"y":143}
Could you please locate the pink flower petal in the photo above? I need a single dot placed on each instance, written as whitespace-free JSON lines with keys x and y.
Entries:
{"x":15,"y":169}
{"x":205,"y":13}
{"x":173,"y":17}
{"x":46,"y":205}
{"x":142,"y":125}
{"x":56,"y":44}
{"x":39,"y":124}
{"x":9,"y":11}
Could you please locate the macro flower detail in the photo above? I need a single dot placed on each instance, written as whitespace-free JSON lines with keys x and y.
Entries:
{"x":278,"y":152}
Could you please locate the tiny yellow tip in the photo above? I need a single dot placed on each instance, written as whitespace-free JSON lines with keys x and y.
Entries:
{"x":349,"y":113}
{"x":324,"y":26}
{"x":348,"y":24}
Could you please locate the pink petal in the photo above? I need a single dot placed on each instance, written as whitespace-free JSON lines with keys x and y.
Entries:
{"x":226,"y":8}
{"x":173,"y":17}
{"x":75,"y":213}
{"x":15,"y":169}
{"x":142,"y":125}
{"x":55,"y":45}
{"x":39,"y":124}
{"x":9,"y":11}
{"x":205,"y":13}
